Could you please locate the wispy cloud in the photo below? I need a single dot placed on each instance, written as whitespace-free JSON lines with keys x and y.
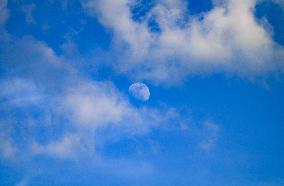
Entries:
{"x":50,"y":94}
{"x":28,"y":11}
{"x":8,"y":149}
{"x":209,"y":134}
{"x":279,"y":2}
{"x":4,"y":11}
{"x":4,"y":14}
{"x":52,"y":110}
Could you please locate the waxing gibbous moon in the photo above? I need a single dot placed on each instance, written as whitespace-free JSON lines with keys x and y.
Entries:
{"x":139,"y":91}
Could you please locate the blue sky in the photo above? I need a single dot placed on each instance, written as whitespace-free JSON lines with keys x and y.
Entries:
{"x":213,"y":114}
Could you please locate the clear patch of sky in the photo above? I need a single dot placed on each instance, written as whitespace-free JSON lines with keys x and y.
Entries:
{"x":199,"y":6}
{"x":140,"y":9}
{"x":55,"y":25}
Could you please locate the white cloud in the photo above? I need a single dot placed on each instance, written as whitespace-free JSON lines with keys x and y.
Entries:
{"x":97,"y":104}
{"x":94,"y":106}
{"x":67,"y":147}
{"x":19,"y":93}
{"x":47,"y":85}
{"x":8,"y":149}
{"x":135,"y":34}
{"x":227,"y":38}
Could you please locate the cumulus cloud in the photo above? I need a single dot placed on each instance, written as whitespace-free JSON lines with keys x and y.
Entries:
{"x":227,"y":38}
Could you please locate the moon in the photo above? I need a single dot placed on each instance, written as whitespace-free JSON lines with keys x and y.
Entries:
{"x":139,"y":91}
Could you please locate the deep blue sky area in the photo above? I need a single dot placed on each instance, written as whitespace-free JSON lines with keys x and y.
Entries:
{"x":208,"y":108}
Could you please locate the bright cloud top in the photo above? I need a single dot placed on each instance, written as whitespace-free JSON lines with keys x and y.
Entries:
{"x":228,"y":38}
{"x":139,"y":91}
